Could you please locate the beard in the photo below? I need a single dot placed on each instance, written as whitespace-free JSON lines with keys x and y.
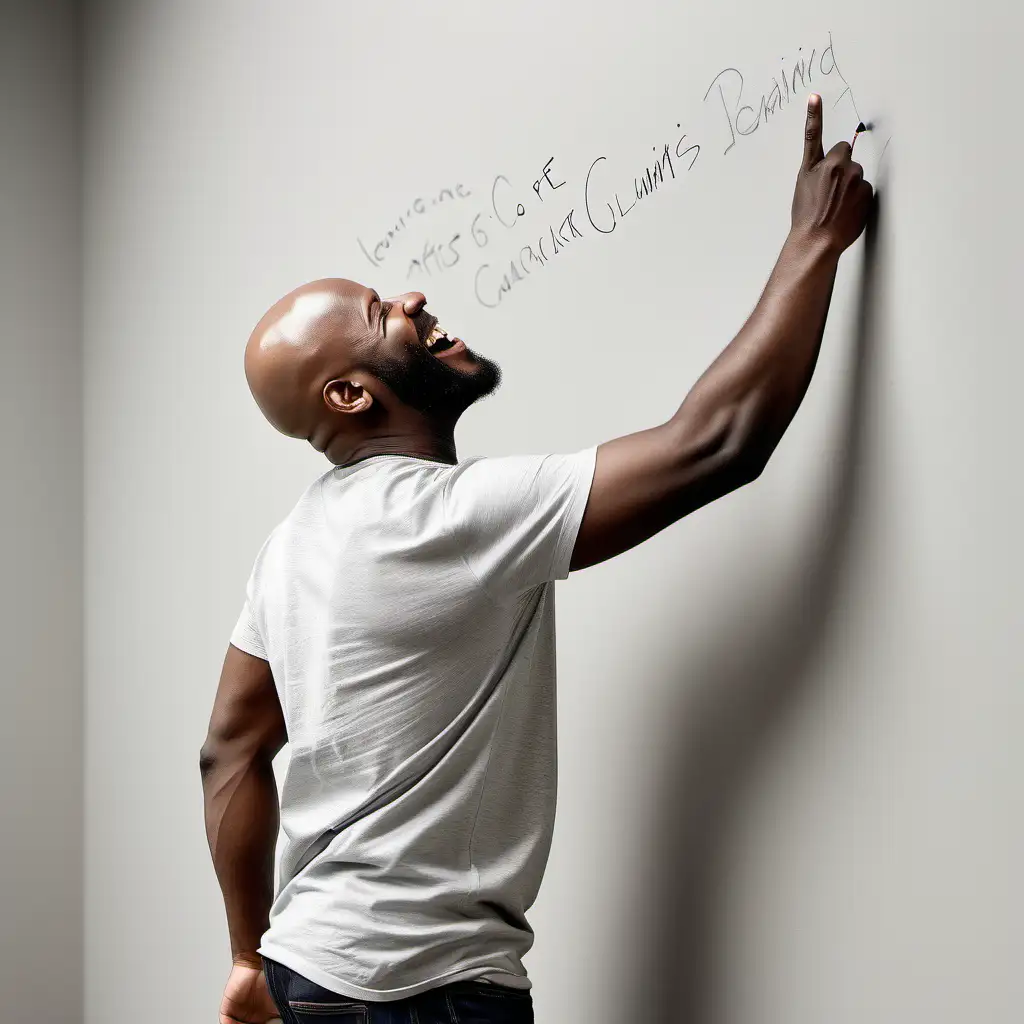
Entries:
{"x":434,"y":388}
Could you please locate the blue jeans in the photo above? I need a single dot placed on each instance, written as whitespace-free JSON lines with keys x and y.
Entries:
{"x":300,"y":1001}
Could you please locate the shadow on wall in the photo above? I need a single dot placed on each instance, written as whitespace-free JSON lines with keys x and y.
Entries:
{"x":742,"y":695}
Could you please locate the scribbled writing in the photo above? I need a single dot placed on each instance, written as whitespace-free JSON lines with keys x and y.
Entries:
{"x":378,"y":251}
{"x":743,"y":118}
{"x":500,"y":246}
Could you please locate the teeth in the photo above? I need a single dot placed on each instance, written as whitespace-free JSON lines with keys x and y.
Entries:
{"x":437,"y":332}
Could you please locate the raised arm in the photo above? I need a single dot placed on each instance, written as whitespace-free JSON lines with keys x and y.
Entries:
{"x":733,"y":418}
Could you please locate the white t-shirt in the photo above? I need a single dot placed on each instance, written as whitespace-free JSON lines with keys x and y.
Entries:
{"x":406,"y":608}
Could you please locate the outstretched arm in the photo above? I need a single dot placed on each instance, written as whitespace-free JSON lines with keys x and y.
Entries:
{"x":735,"y":415}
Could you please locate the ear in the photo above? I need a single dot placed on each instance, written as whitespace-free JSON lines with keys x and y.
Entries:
{"x":347,"y":396}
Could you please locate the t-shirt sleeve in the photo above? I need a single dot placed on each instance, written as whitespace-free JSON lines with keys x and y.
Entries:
{"x":515,"y":518}
{"x":246,"y":634}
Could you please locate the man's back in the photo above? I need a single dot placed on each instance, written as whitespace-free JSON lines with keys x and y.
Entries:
{"x":406,"y":610}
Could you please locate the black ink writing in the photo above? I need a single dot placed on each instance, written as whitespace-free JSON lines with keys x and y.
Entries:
{"x":545,"y":176}
{"x":520,"y":209}
{"x":419,"y":206}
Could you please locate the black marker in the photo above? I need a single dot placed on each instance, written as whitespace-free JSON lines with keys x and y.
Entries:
{"x":862,"y":127}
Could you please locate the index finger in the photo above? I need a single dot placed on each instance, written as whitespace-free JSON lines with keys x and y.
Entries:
{"x":812,"y":132}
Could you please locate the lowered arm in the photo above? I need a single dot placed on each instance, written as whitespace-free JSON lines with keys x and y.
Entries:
{"x":246,"y":731}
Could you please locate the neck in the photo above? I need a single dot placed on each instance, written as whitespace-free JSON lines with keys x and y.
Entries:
{"x":440,"y":448}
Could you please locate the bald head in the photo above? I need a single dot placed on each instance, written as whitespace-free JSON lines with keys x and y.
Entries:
{"x":313,"y":330}
{"x":350,"y":372}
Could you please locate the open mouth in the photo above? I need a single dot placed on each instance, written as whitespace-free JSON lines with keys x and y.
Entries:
{"x":438,"y":340}
{"x":433,"y":336}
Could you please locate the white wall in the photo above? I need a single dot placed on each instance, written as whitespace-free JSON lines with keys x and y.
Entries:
{"x":790,"y":783}
{"x":41,"y":788}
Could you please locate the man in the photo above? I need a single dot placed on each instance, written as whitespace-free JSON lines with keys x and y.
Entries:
{"x":398,"y":630}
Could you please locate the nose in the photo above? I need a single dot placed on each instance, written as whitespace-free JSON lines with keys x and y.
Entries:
{"x":411,"y":302}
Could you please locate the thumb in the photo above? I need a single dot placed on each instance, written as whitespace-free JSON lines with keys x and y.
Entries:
{"x":813,"y":152}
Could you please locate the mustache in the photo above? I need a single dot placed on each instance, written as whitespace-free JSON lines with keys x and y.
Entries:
{"x":424,"y":323}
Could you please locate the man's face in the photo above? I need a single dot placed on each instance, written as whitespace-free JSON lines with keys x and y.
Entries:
{"x":409,"y":351}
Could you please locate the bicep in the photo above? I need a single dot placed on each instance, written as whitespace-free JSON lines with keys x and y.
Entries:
{"x":247,"y":718}
{"x":646,"y":481}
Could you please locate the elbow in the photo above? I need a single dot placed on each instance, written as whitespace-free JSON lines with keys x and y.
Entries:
{"x":740,"y":456}
{"x":209,"y":758}
{"x":733,"y":447}
{"x":750,"y":441}
{"x":735,"y":470}
{"x":748,"y":465}
{"x":236,"y":754}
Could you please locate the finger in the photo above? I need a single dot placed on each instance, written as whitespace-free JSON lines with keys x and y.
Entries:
{"x":813,"y":152}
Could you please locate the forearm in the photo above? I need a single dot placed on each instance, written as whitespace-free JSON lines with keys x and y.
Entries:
{"x":757,"y":383}
{"x":242,"y":817}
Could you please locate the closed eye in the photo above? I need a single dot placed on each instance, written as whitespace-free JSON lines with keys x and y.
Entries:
{"x":383,"y":309}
